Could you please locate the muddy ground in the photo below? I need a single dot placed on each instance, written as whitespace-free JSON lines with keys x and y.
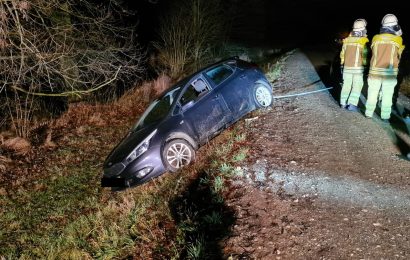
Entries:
{"x":319,"y":182}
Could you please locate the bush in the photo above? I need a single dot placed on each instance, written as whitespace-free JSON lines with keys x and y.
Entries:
{"x":189,"y":34}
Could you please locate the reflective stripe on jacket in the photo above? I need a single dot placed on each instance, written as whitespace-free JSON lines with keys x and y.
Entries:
{"x":354,"y":54}
{"x":386,"y":53}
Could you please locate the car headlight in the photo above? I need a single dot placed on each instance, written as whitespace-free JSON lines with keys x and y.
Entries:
{"x":140,"y":149}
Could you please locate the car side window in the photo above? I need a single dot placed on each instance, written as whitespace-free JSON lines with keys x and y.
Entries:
{"x":195,"y":90}
{"x":219,"y":73}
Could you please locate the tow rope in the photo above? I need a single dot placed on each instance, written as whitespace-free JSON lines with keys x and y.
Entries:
{"x":304,"y":93}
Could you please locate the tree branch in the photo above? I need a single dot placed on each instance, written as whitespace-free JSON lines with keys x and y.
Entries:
{"x":77,"y":93}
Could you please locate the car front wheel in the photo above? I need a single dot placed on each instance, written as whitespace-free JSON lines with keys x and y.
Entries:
{"x":178,"y":153}
{"x":262,"y":95}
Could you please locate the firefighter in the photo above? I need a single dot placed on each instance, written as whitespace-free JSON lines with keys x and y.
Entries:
{"x":353,"y":59}
{"x":387,"y":47}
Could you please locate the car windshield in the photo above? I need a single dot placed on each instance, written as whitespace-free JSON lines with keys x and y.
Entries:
{"x":158,"y":109}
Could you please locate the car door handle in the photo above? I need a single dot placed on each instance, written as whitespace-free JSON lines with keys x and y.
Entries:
{"x":242,"y":77}
{"x":215,"y":97}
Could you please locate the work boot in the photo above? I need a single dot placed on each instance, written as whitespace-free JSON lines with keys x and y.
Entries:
{"x":353,"y":108}
{"x":343,"y":106}
{"x":386,"y":121}
{"x":368,"y":116}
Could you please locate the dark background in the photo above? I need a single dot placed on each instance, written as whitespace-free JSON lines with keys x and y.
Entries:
{"x":290,"y":23}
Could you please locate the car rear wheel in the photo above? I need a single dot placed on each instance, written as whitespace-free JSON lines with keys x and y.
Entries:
{"x":178,"y":153}
{"x":262,"y":95}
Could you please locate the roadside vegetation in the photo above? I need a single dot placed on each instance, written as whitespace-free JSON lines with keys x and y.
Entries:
{"x":55,"y":208}
{"x":52,"y":205}
{"x":71,"y":89}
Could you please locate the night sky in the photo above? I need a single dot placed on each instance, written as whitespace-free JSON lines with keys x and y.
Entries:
{"x":286,"y":23}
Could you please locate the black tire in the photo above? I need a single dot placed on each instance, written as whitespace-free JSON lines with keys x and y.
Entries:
{"x":177,"y":154}
{"x":262,"y":95}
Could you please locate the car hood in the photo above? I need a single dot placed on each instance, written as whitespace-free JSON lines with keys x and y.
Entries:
{"x":127,"y":144}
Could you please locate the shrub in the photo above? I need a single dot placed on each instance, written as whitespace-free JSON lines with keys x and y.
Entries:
{"x":189,"y":33}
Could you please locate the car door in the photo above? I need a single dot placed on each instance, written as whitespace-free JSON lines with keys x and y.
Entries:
{"x":203,"y":109}
{"x":233,"y":85}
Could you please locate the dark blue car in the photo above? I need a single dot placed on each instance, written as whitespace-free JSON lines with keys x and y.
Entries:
{"x":185,"y":117}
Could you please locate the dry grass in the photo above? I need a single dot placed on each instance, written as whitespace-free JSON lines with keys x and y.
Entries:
{"x":17,"y":145}
{"x":273,"y":70}
{"x":48,"y":143}
{"x":4,"y":161}
{"x":126,"y":108}
{"x":162,"y":83}
{"x":143,"y":94}
{"x":138,"y":95}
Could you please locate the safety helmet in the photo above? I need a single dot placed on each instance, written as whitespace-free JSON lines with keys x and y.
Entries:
{"x":359,"y":25}
{"x":389,"y":20}
{"x":390,"y":24}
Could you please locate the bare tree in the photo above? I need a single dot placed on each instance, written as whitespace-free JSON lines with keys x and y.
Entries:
{"x":188,"y":35}
{"x":61,"y":48}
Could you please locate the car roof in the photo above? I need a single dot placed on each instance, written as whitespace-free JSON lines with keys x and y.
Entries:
{"x":230,"y":61}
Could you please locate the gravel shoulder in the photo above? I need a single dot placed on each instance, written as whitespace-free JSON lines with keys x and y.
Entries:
{"x":319,"y":182}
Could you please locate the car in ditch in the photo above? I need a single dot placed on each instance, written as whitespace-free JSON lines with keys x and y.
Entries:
{"x":185,"y":117}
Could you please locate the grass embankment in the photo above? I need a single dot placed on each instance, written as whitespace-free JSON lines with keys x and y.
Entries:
{"x":66,"y":215}
{"x":57,"y":209}
{"x":54,"y":208}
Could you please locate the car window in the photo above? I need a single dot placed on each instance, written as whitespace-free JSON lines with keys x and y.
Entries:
{"x":195,"y":90}
{"x":158,"y":109}
{"x":219,"y":73}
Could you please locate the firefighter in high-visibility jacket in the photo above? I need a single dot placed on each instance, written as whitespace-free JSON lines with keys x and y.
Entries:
{"x":353,"y":59}
{"x":387,"y":47}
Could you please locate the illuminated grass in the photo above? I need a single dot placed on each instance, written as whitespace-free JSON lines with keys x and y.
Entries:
{"x":67,"y":215}
{"x":241,"y":155}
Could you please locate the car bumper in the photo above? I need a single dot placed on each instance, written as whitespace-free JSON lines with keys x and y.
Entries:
{"x":122,"y":176}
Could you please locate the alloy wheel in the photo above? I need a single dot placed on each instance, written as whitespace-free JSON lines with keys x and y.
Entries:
{"x":263,"y":96}
{"x":178,"y":155}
